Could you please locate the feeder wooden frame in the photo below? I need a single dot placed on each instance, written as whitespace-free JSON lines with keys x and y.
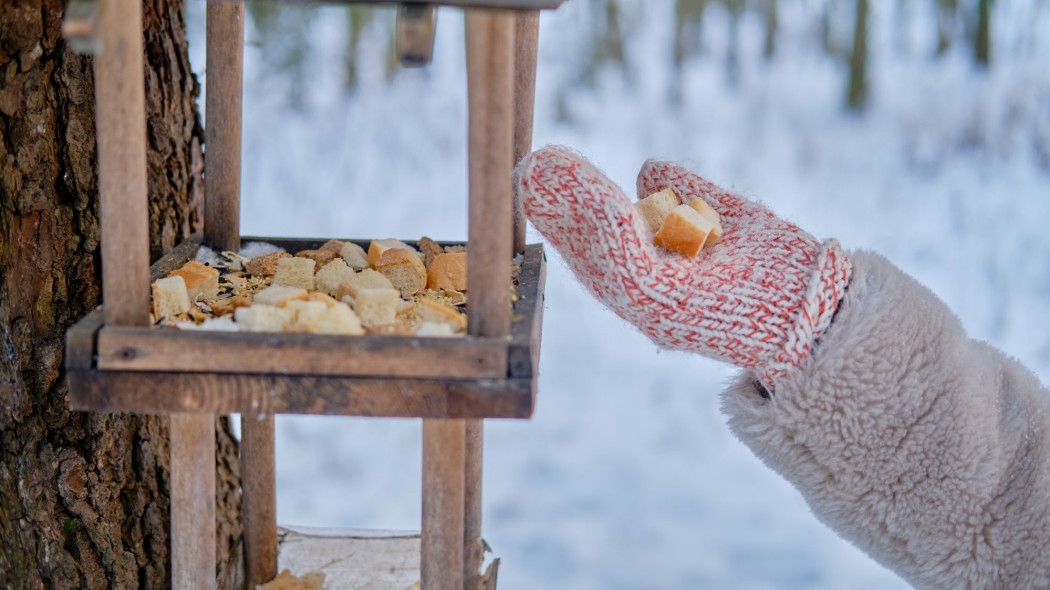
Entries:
{"x":117,"y":362}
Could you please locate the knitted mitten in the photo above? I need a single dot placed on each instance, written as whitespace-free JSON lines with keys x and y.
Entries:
{"x":757,"y":299}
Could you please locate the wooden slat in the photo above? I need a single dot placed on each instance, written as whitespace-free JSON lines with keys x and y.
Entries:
{"x":490,"y":83}
{"x":473,"y":544}
{"x":80,"y":341}
{"x":121,"y":135}
{"x":441,"y":553}
{"x":526,"y":41}
{"x":505,"y":4}
{"x":193,"y":501}
{"x":161,"y":393}
{"x":222,"y":158}
{"x":146,"y":349}
{"x":179,"y":255}
{"x":524,"y":353}
{"x":258,"y":493}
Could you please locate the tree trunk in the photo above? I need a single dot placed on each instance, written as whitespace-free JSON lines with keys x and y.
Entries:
{"x":84,"y":497}
{"x":982,"y":42}
{"x":857,"y":92}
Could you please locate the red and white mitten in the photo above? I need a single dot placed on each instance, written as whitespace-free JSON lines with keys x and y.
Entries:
{"x":758,"y":298}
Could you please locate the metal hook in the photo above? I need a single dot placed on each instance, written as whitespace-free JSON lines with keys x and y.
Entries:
{"x":416,"y":24}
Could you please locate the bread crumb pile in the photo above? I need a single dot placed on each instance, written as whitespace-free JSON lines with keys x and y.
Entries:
{"x":390,"y":289}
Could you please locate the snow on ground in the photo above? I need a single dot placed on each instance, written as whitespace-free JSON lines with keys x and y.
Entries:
{"x":627,"y":476}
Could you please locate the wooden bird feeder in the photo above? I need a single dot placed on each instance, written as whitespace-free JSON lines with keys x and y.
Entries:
{"x":117,"y":362}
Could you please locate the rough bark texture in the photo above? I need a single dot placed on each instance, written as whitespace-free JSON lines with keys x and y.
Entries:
{"x":84,"y":497}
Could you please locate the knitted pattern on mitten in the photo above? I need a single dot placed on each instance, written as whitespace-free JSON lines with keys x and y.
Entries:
{"x":758,"y":298}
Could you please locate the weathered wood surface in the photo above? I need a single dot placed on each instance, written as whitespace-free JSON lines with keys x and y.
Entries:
{"x":442,"y":543}
{"x":259,"y":499}
{"x":175,"y":258}
{"x":122,"y":349}
{"x":490,"y":94}
{"x":160,"y":393}
{"x":80,"y":341}
{"x":526,"y":43}
{"x":352,"y":559}
{"x":222,"y":182}
{"x":120,"y":122}
{"x":473,"y":544}
{"x":527,"y":327}
{"x":193,"y":501}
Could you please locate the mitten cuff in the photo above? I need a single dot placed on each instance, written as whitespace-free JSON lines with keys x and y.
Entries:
{"x":825,"y":289}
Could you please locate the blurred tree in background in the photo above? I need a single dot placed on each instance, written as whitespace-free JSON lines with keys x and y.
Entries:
{"x":284,"y":33}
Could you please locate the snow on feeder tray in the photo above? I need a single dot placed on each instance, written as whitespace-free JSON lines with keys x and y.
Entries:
{"x":117,"y":362}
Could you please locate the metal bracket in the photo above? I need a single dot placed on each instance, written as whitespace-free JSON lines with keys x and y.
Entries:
{"x":416,"y":24}
{"x":80,"y":27}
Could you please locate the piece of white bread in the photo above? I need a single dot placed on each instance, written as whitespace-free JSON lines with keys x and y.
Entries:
{"x":378,"y":247}
{"x":404,"y":269}
{"x":448,"y":272}
{"x":277,"y":294}
{"x":354,"y":256}
{"x":295,"y":272}
{"x":366,"y":279}
{"x":265,"y":265}
{"x":684,"y":231}
{"x":440,"y":329}
{"x":170,"y":297}
{"x":263,"y":318}
{"x":340,"y":319}
{"x":202,"y":282}
{"x":433,"y":311}
{"x":376,"y":307}
{"x":705,"y":211}
{"x":332,"y":275}
{"x":306,"y":316}
{"x":656,"y":207}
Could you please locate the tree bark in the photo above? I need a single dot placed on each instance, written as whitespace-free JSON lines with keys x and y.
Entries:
{"x":84,"y":497}
{"x":857,"y":90}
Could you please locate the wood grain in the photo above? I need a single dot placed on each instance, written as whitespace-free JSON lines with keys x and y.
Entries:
{"x":80,"y":341}
{"x":222,"y":131}
{"x":473,"y":544}
{"x":259,"y":497}
{"x":179,"y":255}
{"x":193,"y":501}
{"x":145,"y":349}
{"x":526,"y":43}
{"x":526,"y":330}
{"x":162,"y":393}
{"x":120,"y":120}
{"x":490,"y":85}
{"x":441,"y":553}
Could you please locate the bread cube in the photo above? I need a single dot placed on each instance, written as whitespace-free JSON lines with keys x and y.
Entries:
{"x":684,"y":231}
{"x":332,"y":275}
{"x":170,"y":297}
{"x":437,"y":329}
{"x":278,"y":295}
{"x":378,"y":247}
{"x":263,"y":318}
{"x":333,"y":246}
{"x":354,"y":256}
{"x":376,"y":307}
{"x":656,"y":207}
{"x":202,"y":282}
{"x":321,"y":257}
{"x":295,"y":272}
{"x":307,"y":316}
{"x":439,"y":313}
{"x":404,"y":269}
{"x":265,"y":265}
{"x":430,"y":250}
{"x":366,"y":279}
{"x":340,"y":319}
{"x":448,"y":272}
{"x":711,"y":215}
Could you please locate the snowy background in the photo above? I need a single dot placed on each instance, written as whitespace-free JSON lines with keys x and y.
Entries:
{"x":627,"y":476}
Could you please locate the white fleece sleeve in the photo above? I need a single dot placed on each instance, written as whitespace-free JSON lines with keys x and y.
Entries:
{"x":928,"y":450}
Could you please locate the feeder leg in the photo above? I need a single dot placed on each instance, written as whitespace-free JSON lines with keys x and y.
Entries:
{"x":442,"y":545}
{"x":222,"y":129}
{"x":526,"y":40}
{"x":120,"y":119}
{"x":193,"y":501}
{"x":258,"y":494}
{"x":473,"y":545}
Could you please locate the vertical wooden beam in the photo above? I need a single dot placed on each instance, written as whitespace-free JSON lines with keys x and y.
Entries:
{"x":193,"y":501}
{"x":222,"y":130}
{"x":490,"y":235}
{"x":120,"y":103}
{"x":258,"y":489}
{"x":442,"y":544}
{"x":526,"y":44}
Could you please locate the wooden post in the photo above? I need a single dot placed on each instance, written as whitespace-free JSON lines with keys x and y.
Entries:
{"x":526,"y":43}
{"x":120,"y":103}
{"x":490,"y":236}
{"x":442,"y":544}
{"x":193,"y":501}
{"x":259,"y":497}
{"x":222,"y":130}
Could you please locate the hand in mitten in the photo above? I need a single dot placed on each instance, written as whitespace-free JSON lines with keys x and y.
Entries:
{"x":758,"y":298}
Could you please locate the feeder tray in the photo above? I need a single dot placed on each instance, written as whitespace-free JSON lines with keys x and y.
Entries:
{"x":116,"y":362}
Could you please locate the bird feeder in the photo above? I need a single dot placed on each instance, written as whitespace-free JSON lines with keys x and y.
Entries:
{"x":117,"y":362}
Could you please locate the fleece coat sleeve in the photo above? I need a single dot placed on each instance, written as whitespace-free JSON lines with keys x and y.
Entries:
{"x":928,"y":450}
